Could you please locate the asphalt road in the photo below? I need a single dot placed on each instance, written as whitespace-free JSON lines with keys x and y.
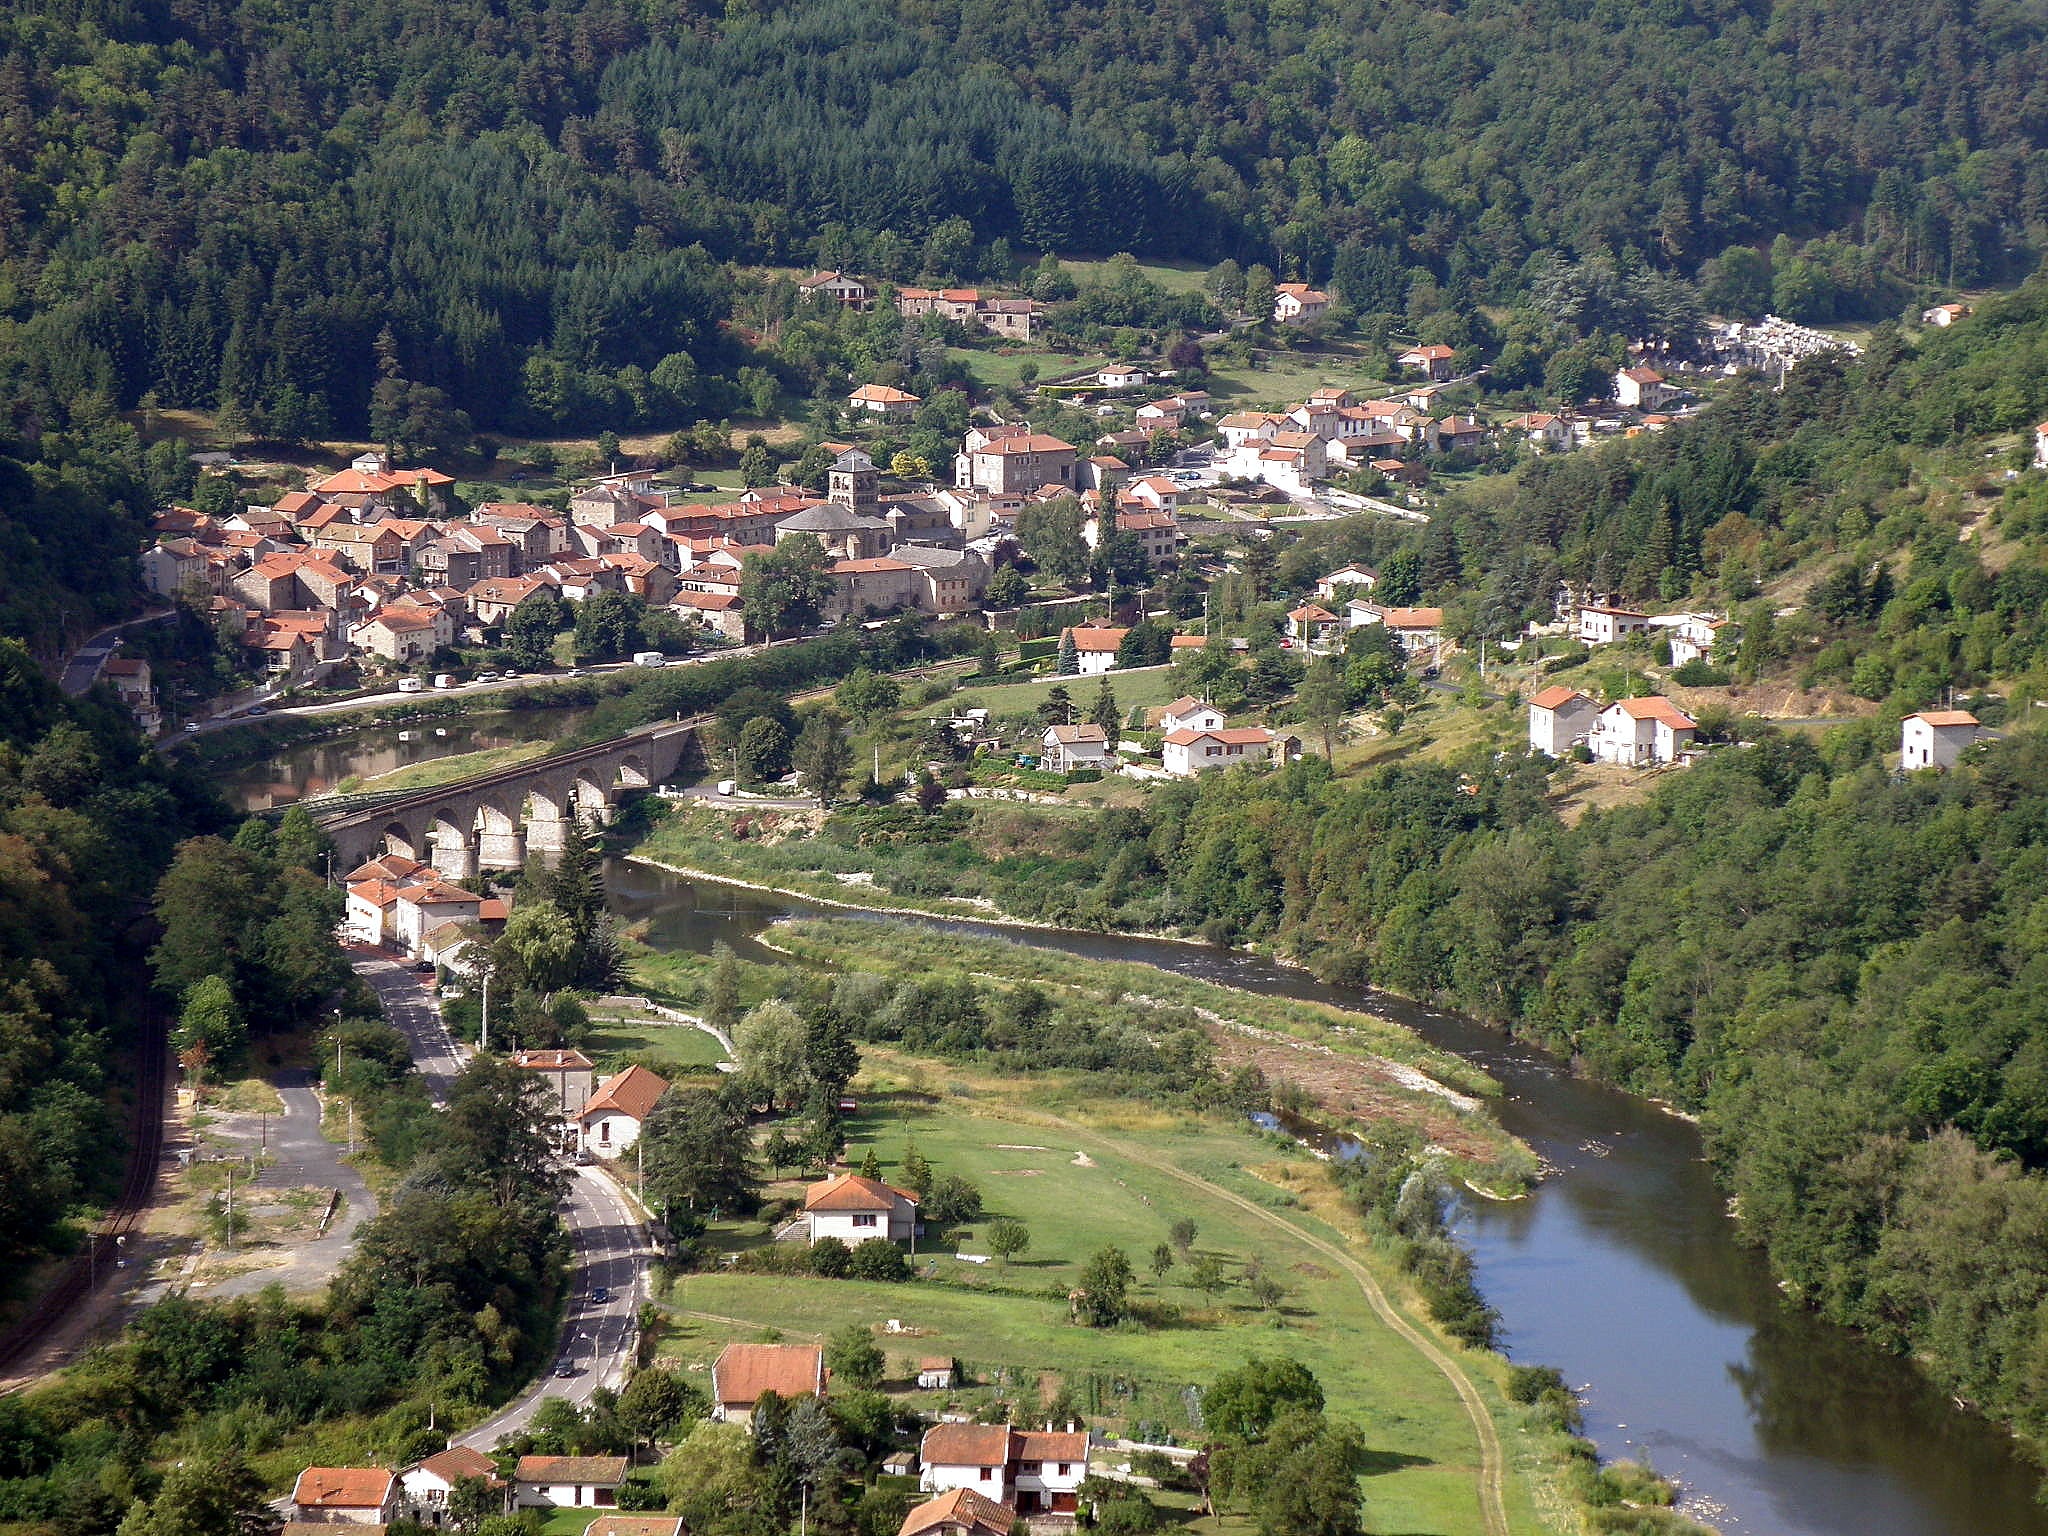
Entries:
{"x":82,"y":669}
{"x":403,"y":995}
{"x":304,"y":1157}
{"x":598,"y":1338}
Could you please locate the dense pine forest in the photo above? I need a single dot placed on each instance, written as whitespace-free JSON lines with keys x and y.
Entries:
{"x":520,"y":216}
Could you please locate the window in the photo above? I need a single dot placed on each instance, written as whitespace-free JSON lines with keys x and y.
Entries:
{"x":1064,"y":1467}
{"x":864,"y":1221}
{"x":604,"y":1133}
{"x":988,"y":1474}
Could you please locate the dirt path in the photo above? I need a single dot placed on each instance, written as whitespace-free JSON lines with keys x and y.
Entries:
{"x":1492,"y":1460}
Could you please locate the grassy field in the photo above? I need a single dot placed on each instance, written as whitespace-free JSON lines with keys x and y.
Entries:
{"x":446,"y":770}
{"x":999,"y":370}
{"x":668,"y":1049}
{"x":1290,"y":377}
{"x":1173,"y":276}
{"x":1122,"y":1179}
{"x":1142,"y":685}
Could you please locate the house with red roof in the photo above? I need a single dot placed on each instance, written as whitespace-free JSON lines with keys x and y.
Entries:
{"x":568,"y":1482}
{"x":424,"y":1487}
{"x":1189,"y":751}
{"x":1314,"y":628}
{"x":959,"y":1512}
{"x":838,"y":288}
{"x":854,"y":1209}
{"x":1298,"y":304}
{"x":1640,"y":733}
{"x":345,"y":1496}
{"x":1434,"y":361}
{"x":1033,"y":1472}
{"x":1935,"y":738}
{"x":742,"y":1372}
{"x":610,"y":1123}
{"x":1559,"y":719}
{"x":1640,"y":389}
{"x":1604,"y":623}
{"x":1095,"y":646}
{"x":880,"y":400}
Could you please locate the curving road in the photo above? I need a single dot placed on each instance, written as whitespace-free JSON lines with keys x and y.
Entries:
{"x":598,"y":1338}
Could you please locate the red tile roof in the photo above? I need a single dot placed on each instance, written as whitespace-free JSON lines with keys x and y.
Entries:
{"x":342,"y":1488}
{"x":965,"y":1445}
{"x":602,"y":1470}
{"x":459,"y":1461}
{"x":743,"y":1372}
{"x":634,"y":1092}
{"x":1656,"y":707}
{"x":1945,"y":717}
{"x":1095,"y":638}
{"x":851,"y":1192}
{"x":1556,"y":697}
{"x":960,"y":1508}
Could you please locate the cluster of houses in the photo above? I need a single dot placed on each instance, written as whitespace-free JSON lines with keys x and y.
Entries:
{"x":1192,"y":738}
{"x":422,"y":1493}
{"x":396,"y":902}
{"x":1013,"y":318}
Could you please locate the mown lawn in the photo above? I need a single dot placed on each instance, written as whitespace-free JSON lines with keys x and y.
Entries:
{"x":1140,"y":685}
{"x":1082,"y":1188}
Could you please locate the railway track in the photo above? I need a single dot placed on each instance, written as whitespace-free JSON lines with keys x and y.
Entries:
{"x":99,"y":1260}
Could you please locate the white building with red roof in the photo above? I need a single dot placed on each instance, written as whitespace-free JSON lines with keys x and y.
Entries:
{"x":1560,"y":718}
{"x":1298,"y":304}
{"x":1604,"y":623}
{"x":1935,"y":738}
{"x":610,"y":1123}
{"x":1014,"y":464}
{"x":1063,"y":748}
{"x":1095,"y":646}
{"x":1640,"y":389}
{"x":959,"y":1512}
{"x":854,"y":1209}
{"x":1187,"y":752}
{"x":881,"y":400}
{"x":1640,"y":733}
{"x":1033,"y":1472}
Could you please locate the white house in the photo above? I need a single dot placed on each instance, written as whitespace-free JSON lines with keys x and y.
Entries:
{"x":1541,"y":429}
{"x":1693,"y":636}
{"x":1063,"y":748}
{"x":1558,"y":717}
{"x":1185,"y":753}
{"x":1640,"y":389}
{"x":424,"y":1487}
{"x":742,"y":1372}
{"x":567,"y":1482}
{"x":1935,"y":738}
{"x":1434,"y":362}
{"x":838,"y":287}
{"x":935,"y":1373}
{"x":1190,"y":714}
{"x":1031,"y":1471}
{"x":854,"y":1209}
{"x":881,"y":400}
{"x":1603,"y":625}
{"x":610,"y":1123}
{"x":1635,"y":733}
{"x":2041,"y":446}
{"x":1418,"y":629}
{"x":417,"y":910}
{"x":1313,"y":627}
{"x":1298,"y":304}
{"x":345,"y":1496}
{"x":570,"y":1076}
{"x":1944,"y":315}
{"x":1095,"y":647}
{"x":1122,"y":376}
{"x":1346,"y":580}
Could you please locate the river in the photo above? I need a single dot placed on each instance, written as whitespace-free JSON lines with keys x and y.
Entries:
{"x":305,"y":769}
{"x":1622,"y":1269}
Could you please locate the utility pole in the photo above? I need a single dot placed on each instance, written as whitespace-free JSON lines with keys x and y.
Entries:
{"x":483,"y":1042}
{"x":231,"y":1207}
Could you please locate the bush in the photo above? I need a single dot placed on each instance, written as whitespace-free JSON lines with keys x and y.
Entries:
{"x":951,"y":1201}
{"x":1701,"y":673}
{"x":831,"y":1258}
{"x":878,"y":1259}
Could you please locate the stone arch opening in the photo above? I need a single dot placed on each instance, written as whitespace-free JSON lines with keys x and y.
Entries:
{"x":400,"y":839}
{"x":593,"y":800}
{"x":632,"y":773}
{"x":501,"y":834}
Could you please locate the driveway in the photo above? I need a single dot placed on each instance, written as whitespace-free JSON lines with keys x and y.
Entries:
{"x":410,"y":1010}
{"x":304,"y":1158}
{"x":82,"y":669}
{"x":598,"y":1338}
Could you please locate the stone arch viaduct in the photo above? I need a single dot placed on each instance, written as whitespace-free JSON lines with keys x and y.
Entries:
{"x":493,"y":821}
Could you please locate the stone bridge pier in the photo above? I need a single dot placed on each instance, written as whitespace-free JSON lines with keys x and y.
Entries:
{"x":496,"y":820}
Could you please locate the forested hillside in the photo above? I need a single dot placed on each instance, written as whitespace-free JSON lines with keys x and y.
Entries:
{"x":517,"y":217}
{"x":88,"y":817}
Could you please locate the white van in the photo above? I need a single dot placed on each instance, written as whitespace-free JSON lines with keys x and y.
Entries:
{"x":443,"y":680}
{"x":649,"y":659}
{"x":411,"y":685}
